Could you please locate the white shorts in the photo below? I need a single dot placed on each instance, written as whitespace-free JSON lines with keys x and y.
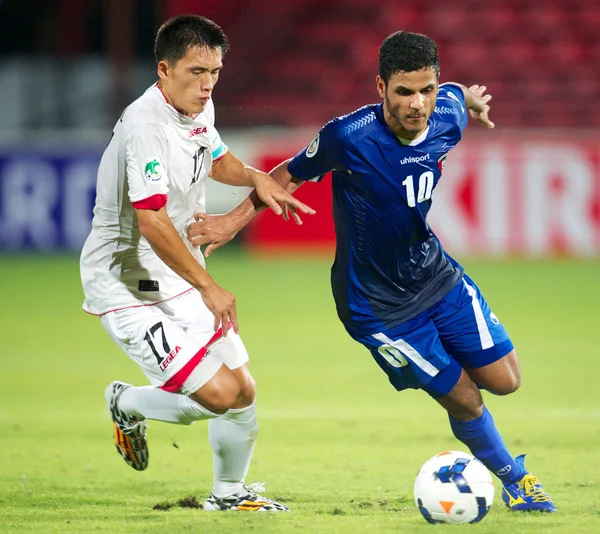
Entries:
{"x":174,"y":342}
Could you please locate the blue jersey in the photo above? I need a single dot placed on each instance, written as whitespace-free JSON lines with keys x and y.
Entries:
{"x":389,"y":266}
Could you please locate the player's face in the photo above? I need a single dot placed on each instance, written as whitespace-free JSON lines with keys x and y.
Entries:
{"x":409,"y":101}
{"x":188,"y":83}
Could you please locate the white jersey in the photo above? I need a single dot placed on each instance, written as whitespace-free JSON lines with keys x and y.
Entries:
{"x":155,"y":156}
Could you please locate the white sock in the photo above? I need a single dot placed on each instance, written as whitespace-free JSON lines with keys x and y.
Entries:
{"x":152,"y":403}
{"x":232,"y":438}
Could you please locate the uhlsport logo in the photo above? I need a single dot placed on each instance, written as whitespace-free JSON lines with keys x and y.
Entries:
{"x":313,"y":147}
{"x":152,"y":171}
{"x":414,"y":159}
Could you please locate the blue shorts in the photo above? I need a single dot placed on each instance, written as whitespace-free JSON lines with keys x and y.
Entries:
{"x":429,"y":351}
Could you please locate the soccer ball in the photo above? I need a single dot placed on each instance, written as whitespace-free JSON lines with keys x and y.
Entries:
{"x":454,"y":487}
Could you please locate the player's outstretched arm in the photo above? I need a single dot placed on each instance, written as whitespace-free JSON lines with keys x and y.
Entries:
{"x":230,"y":170}
{"x":162,"y":236}
{"x":220,"y":229}
{"x":477,"y":103}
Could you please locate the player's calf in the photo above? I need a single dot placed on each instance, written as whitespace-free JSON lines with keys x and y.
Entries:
{"x":473,"y":425}
{"x":464,"y":402}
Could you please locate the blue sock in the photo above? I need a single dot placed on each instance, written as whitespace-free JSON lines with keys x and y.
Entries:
{"x":486,"y":444}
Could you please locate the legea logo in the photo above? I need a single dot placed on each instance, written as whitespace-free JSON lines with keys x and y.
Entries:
{"x":196,"y":131}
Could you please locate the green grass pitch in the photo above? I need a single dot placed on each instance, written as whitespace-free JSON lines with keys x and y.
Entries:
{"x":337,"y":443}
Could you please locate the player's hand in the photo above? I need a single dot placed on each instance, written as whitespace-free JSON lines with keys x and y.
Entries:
{"x":214,"y":229}
{"x":287,"y":211}
{"x":479,"y":107}
{"x":221,"y":303}
{"x":272,"y":194}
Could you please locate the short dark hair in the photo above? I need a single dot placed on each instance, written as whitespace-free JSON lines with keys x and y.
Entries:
{"x":179,"y":33}
{"x":407,"y":52}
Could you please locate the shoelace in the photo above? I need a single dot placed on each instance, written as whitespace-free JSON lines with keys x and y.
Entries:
{"x":137,"y":431}
{"x":532,"y":488}
{"x":255,"y":487}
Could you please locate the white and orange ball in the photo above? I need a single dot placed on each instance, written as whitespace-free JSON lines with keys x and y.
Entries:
{"x":453,"y":487}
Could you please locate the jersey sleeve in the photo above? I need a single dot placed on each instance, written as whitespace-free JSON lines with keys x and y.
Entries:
{"x":318,"y":158}
{"x":451,"y":105}
{"x":146,"y":166}
{"x":217,"y":148}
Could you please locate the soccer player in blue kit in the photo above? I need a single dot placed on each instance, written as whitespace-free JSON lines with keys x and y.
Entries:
{"x":396,"y":290}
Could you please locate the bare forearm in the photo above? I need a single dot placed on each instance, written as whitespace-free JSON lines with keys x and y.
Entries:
{"x":231,"y":171}
{"x":273,"y":191}
{"x":252,"y":205}
{"x":160,"y":233}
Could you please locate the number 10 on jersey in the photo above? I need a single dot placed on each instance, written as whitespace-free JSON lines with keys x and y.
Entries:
{"x":425,"y":188}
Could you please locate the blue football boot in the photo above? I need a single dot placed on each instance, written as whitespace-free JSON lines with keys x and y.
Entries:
{"x":527,"y":494}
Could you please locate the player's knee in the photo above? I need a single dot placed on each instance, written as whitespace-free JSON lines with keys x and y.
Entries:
{"x":516,"y":382}
{"x":508,"y":386}
{"x":513,"y":378}
{"x":247,"y":394}
{"x":224,"y":399}
{"x":220,"y":393}
{"x":470,"y":404}
{"x":510,"y":381}
{"x":464,"y":402}
{"x":247,"y":387}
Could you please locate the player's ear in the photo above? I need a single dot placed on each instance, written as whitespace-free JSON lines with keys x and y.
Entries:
{"x":380,"y":86}
{"x":163,"y":69}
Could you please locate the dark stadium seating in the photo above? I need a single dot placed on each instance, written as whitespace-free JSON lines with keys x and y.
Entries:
{"x":538,"y":59}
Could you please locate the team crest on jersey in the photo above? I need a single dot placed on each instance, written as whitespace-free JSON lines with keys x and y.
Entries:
{"x":313,"y":147}
{"x":152,"y":171}
{"x":441,"y":162}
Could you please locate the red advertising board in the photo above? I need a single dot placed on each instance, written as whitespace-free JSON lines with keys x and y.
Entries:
{"x":533,"y":196}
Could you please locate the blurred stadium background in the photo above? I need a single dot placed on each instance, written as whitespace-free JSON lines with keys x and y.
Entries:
{"x":69,"y":67}
{"x":519,"y":205}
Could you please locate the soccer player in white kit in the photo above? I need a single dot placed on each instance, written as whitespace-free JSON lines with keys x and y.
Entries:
{"x":149,"y":286}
